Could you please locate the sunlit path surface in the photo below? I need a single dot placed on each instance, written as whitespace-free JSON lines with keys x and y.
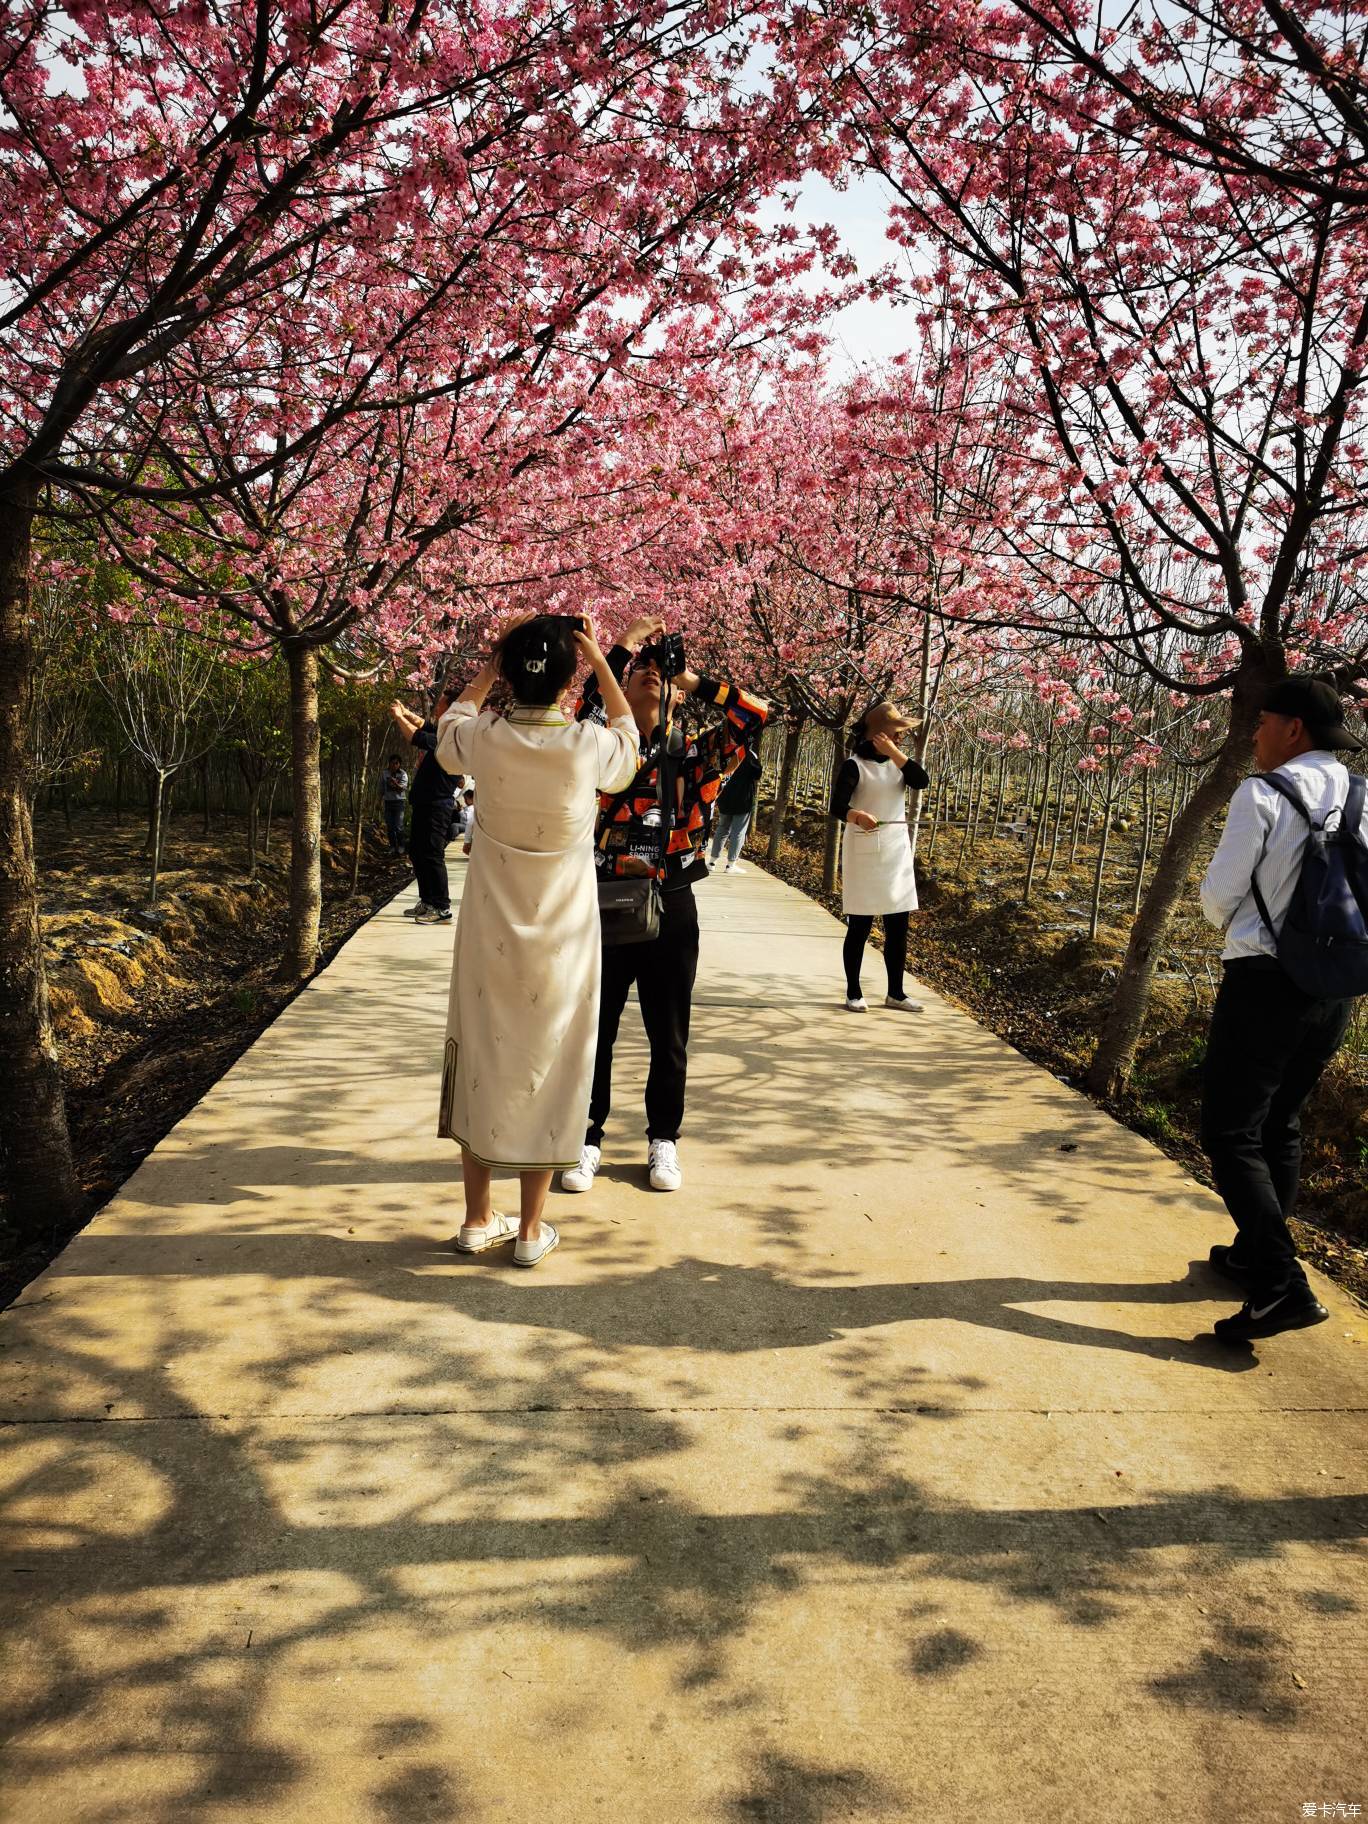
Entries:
{"x":875,"y":1475}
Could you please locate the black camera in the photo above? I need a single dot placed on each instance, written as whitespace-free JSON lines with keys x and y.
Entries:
{"x":666,"y":654}
{"x":577,"y":623}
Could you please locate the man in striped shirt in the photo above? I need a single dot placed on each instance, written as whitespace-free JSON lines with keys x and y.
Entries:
{"x":628,"y":842}
{"x":1269,"y":1041}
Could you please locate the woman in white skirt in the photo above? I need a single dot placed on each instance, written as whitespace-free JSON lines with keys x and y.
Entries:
{"x":877,"y":878}
{"x":522,"y":1020}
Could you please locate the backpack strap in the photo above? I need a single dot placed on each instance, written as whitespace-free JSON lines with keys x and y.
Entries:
{"x":1351,"y":819}
{"x":1285,"y":789}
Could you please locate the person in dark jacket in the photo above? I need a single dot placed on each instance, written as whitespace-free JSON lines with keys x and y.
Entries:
{"x":735,"y":808}
{"x":628,"y":843}
{"x":432,"y":806}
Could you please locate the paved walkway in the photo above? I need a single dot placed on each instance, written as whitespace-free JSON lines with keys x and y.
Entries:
{"x":875,"y":1476}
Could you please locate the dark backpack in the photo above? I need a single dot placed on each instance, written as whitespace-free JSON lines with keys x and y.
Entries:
{"x":1323,"y":944}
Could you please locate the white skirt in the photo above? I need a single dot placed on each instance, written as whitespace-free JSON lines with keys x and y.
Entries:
{"x":522,"y":1019}
{"x":876,"y":871}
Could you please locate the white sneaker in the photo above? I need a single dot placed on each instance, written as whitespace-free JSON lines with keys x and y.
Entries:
{"x":856,"y":1004}
{"x":528,"y":1253}
{"x":903,"y":1005}
{"x":734,"y":867}
{"x":663,"y":1161}
{"x":581,"y":1177}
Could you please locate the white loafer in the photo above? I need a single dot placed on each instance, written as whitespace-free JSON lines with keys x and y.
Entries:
{"x":491,"y":1234}
{"x":904,"y":1005}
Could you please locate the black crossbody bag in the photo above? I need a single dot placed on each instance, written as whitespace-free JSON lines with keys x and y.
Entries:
{"x":630,"y":905}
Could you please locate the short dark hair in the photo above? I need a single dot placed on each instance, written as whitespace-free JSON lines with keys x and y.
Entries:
{"x":394,"y":759}
{"x":539,"y":659}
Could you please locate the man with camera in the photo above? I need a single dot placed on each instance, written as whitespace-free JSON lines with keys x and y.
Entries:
{"x":659,"y":826}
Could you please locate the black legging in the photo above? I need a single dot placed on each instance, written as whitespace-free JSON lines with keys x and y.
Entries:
{"x":858,"y":927}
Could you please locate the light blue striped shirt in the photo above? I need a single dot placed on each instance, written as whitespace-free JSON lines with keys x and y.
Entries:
{"x":1262,"y":829}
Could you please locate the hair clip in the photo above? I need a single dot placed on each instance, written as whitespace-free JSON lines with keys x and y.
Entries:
{"x":534,"y":665}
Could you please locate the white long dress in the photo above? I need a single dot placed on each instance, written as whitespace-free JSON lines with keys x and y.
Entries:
{"x":522,"y":1018}
{"x":876,"y":865}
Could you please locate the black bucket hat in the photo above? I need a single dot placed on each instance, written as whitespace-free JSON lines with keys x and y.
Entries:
{"x":1317,"y":704}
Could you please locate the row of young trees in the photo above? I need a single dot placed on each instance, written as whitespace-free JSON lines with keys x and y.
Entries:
{"x":138,"y":716}
{"x":337,"y":336}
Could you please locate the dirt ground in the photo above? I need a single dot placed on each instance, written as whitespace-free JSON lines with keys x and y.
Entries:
{"x":152,"y":1006}
{"x":1030,"y":974}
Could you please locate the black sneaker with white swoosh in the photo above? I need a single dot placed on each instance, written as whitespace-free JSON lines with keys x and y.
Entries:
{"x":1271,"y":1314}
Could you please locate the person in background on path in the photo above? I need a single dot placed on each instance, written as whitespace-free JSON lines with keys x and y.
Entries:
{"x":628,"y":843}
{"x":393,"y":791}
{"x":465,"y":819}
{"x":522,"y":1021}
{"x":1269,"y":1042}
{"x":735,"y":808}
{"x":432,"y":805}
{"x":877,"y":877}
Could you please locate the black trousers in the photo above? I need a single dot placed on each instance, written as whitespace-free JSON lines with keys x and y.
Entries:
{"x":429,"y":831}
{"x":664,"y":972}
{"x":858,"y":927}
{"x":1267,"y":1048}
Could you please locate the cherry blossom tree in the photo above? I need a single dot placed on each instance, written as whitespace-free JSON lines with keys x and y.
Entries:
{"x":195,"y":196}
{"x":1186,"y":355}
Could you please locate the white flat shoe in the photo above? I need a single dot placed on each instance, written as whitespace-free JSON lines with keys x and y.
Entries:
{"x":904,"y":1005}
{"x":859,"y":1005}
{"x":528,"y":1253}
{"x":491,"y":1234}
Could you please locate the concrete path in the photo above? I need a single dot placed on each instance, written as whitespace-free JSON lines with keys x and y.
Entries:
{"x":875,"y":1476}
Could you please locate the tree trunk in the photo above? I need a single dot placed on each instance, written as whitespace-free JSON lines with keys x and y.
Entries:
{"x":168,"y":811}
{"x":939,"y":802}
{"x":42,"y":1193}
{"x":1095,"y":909}
{"x":155,"y":837}
{"x":360,"y":805}
{"x":1040,"y":817}
{"x":306,"y":880}
{"x":1146,"y":838}
{"x":1111,"y":1063}
{"x":270,"y":812}
{"x":1058,"y":824}
{"x":783,"y":792}
{"x":251,"y":778}
{"x":831,"y":844}
{"x":204,"y":792}
{"x":118,"y":792}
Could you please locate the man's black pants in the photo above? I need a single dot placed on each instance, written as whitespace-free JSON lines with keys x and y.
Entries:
{"x":664,"y":972}
{"x":1268,"y":1046}
{"x":429,"y":831}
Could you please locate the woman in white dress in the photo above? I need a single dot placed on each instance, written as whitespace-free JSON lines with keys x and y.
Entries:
{"x":522,"y":1020}
{"x":877,"y":880}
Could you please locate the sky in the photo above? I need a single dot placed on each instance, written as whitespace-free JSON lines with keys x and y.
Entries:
{"x":870,"y":331}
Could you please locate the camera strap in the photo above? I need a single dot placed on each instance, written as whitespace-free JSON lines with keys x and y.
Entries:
{"x":664,"y":793}
{"x":664,"y":785}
